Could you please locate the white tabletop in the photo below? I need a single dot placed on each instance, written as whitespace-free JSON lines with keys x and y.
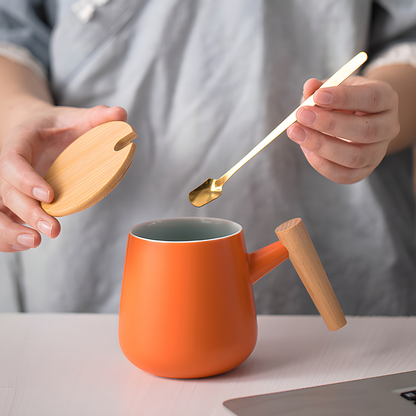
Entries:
{"x":72,"y":365}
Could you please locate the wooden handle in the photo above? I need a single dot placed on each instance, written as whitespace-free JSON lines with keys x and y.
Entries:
{"x":304,"y":258}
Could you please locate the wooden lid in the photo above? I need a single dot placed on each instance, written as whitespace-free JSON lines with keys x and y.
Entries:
{"x":90,"y":168}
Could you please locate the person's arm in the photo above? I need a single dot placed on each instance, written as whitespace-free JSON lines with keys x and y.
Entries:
{"x":21,"y":92}
{"x":33,"y":132}
{"x":402,"y":79}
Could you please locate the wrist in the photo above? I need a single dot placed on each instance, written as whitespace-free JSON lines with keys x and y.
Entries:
{"x":24,"y":105}
{"x":19,"y":109}
{"x":23,"y":93}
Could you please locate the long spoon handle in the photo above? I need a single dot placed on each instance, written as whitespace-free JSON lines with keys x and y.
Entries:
{"x":341,"y":75}
{"x":293,"y":235}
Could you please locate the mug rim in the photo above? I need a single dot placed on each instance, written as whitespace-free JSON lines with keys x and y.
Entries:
{"x":238,"y":226}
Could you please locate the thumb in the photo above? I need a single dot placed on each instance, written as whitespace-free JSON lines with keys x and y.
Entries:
{"x":95,"y":116}
{"x":310,"y":86}
{"x":74,"y":122}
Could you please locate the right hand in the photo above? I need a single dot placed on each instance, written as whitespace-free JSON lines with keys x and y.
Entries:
{"x":27,"y":152}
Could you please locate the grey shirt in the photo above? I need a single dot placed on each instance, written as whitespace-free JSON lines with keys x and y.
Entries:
{"x":203,"y":82}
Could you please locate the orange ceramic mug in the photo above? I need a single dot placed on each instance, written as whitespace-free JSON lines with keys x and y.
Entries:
{"x":187,"y":308}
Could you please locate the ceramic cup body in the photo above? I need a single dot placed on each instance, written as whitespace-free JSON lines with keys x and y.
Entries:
{"x":187,"y":308}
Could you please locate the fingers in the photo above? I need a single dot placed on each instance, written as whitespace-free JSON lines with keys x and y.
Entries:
{"x":101,"y":114}
{"x":27,"y":153}
{"x":69,"y":124}
{"x":346,"y":135}
{"x":310,"y":86}
{"x":362,"y":110}
{"x":344,"y":153}
{"x":16,"y":170}
{"x":78,"y":121}
{"x":15,"y":237}
{"x":355,"y":94}
{"x":28,"y":211}
{"x":341,"y":161}
{"x":368,"y":128}
{"x":20,"y":190}
{"x":371,"y":97}
{"x":335,"y":172}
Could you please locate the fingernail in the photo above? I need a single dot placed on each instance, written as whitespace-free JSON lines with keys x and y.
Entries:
{"x":41,"y":194}
{"x":19,"y":248}
{"x":45,"y":227}
{"x":307,"y":117}
{"x":297,"y":134}
{"x":27,"y":240}
{"x":323,"y":98}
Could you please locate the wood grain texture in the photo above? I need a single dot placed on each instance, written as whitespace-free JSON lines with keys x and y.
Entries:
{"x":304,"y":258}
{"x":90,"y":168}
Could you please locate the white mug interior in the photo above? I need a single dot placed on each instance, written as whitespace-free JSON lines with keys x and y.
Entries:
{"x":186,"y":229}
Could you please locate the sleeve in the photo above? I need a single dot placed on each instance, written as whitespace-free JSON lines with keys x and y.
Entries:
{"x":393,"y":33}
{"x":401,"y":53}
{"x":25,"y":32}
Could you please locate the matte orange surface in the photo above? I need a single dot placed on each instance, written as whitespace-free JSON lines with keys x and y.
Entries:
{"x":187,"y":309}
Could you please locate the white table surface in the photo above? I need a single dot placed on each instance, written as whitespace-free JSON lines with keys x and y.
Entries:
{"x":72,"y":365}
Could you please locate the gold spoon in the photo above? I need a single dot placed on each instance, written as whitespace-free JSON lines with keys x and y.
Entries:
{"x":212,"y":188}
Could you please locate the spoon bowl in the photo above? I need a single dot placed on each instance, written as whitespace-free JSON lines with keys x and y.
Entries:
{"x":206,"y":192}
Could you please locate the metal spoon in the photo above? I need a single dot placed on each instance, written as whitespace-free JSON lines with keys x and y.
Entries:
{"x":212,"y":188}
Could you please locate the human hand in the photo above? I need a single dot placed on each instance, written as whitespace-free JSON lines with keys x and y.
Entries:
{"x":346,"y":135}
{"x":26,"y":154}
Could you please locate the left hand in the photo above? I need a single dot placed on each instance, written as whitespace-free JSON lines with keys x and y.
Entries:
{"x":346,"y":134}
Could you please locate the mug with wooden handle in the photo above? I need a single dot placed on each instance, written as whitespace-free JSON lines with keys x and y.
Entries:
{"x":187,"y":306}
